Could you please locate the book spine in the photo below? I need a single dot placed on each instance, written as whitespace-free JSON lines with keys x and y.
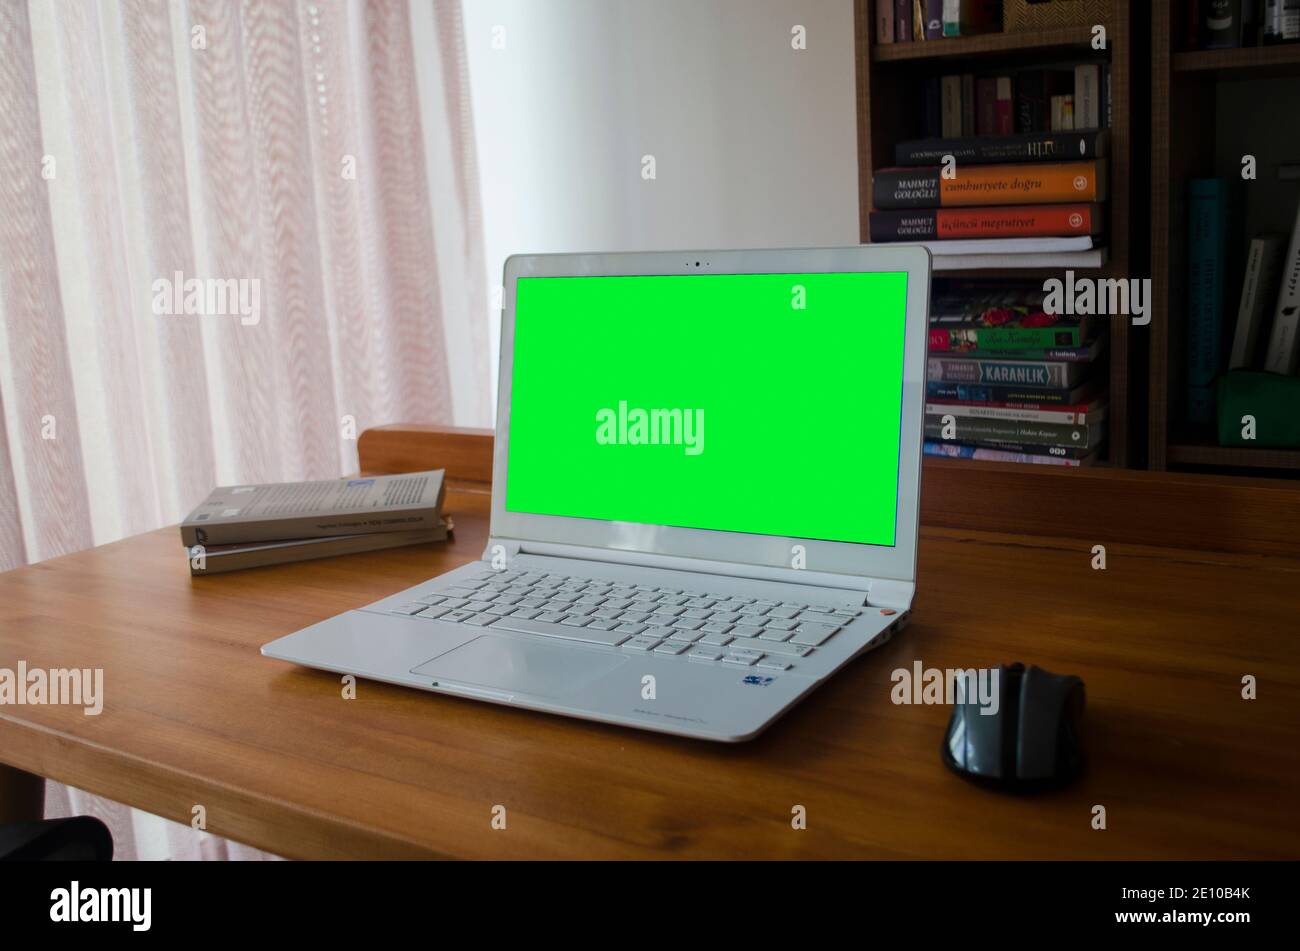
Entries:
{"x":1081,"y":354}
{"x":933,"y":107}
{"x":1284,"y":341}
{"x":308,"y":526}
{"x":1031,"y":104}
{"x":1004,"y":120}
{"x":1024,"y":373}
{"x":1044,"y":184}
{"x":985,"y":454}
{"x":975,"y":429}
{"x":1006,"y":338}
{"x":933,"y":19}
{"x":1290,"y":20}
{"x":1087,"y":96}
{"x":884,"y":21}
{"x":903,"y":21}
{"x":952,"y":17}
{"x":983,"y":393}
{"x":1026,"y":221}
{"x":1024,"y":413}
{"x":918,"y":225}
{"x":992,"y":150}
{"x":986,"y":106}
{"x":951,"y":107}
{"x":967,"y":106}
{"x":918,"y":21}
{"x":906,"y":188}
{"x":1257,"y":288}
{"x":1206,"y":228}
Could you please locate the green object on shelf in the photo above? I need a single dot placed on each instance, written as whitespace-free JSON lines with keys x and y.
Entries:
{"x":1271,"y":399}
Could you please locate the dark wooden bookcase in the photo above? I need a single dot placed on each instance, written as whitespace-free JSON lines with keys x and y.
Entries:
{"x":890,"y":86}
{"x":1209,"y":108}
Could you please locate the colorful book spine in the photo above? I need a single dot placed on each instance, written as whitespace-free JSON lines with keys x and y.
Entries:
{"x":1206,"y":258}
{"x":980,"y":430}
{"x":1055,"y":183}
{"x":986,"y":454}
{"x":1083,"y":354}
{"x":1023,"y":221}
{"x":933,"y":19}
{"x":1008,"y":337}
{"x":1040,"y":374}
{"x":1084,"y":415}
{"x":991,"y":393}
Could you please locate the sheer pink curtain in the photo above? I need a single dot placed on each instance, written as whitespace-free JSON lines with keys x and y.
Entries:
{"x":317,"y":154}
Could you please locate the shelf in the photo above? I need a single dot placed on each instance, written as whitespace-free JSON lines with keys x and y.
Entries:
{"x":986,"y":44}
{"x":1252,"y":62}
{"x":1209,"y":454}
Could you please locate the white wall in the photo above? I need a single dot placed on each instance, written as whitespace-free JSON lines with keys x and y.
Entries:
{"x":755,"y":142}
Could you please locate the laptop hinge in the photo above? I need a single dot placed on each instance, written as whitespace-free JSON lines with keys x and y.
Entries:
{"x":883,"y":592}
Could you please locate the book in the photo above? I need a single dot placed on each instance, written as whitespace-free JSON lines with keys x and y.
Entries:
{"x":1019,"y":324}
{"x":918,"y":20}
{"x":1206,"y":259}
{"x":961,"y":247}
{"x":1059,"y":261}
{"x":1004,"y":118}
{"x":950,"y":108}
{"x":967,"y":114}
{"x":1076,"y":415}
{"x":1284,"y":340}
{"x":1084,"y":353}
{"x":1028,"y":374}
{"x":993,"y":393}
{"x":216,"y":559}
{"x":933,"y":107}
{"x":903,"y":21}
{"x":1031,"y":102}
{"x":987,"y":454}
{"x":973,"y":429}
{"x":1087,"y":96}
{"x":1021,"y":221}
{"x":1258,"y":293}
{"x":293,"y":511}
{"x":933,"y":19}
{"x":986,"y":105}
{"x":884,"y":21}
{"x":1043,"y":184}
{"x":1005,"y":149}
{"x":969,"y":17}
{"x":1063,"y":112}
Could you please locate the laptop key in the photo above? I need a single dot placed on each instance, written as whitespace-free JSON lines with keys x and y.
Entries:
{"x":813,"y":634}
{"x":630,"y":628}
{"x":457,"y":616}
{"x":776,"y":647}
{"x":771,"y":663}
{"x":743,"y":660}
{"x":406,"y":609}
{"x":770,"y":634}
{"x":433,"y":612}
{"x":671,"y":647}
{"x":715,"y":640}
{"x":601,"y":624}
{"x":551,"y":616}
{"x":704,"y":653}
{"x":560,"y":632}
{"x":481,"y":620}
{"x":528,"y":613}
{"x":674,"y":634}
{"x":575,"y":620}
{"x":641,"y":643}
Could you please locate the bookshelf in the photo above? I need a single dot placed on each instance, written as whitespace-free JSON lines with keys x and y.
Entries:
{"x":1210,"y":107}
{"x":890,"y":80}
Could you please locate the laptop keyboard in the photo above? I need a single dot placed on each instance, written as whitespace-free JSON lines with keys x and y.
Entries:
{"x":714,"y":628}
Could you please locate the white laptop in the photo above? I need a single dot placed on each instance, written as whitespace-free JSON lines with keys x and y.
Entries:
{"x":704,"y":497}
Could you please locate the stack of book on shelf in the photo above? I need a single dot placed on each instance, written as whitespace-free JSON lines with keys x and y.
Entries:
{"x":907,"y":21}
{"x":247,"y":526}
{"x":1011,"y":382}
{"x":1015,"y":174}
{"x":1228,"y":24}
{"x":1262,"y":348}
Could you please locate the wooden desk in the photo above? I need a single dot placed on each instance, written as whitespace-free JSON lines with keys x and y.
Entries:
{"x":1184,"y":766}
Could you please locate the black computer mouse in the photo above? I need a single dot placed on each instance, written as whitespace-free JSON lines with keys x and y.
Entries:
{"x":1030,"y":741}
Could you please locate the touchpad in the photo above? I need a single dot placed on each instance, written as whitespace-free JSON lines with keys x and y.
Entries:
{"x":518,"y":666}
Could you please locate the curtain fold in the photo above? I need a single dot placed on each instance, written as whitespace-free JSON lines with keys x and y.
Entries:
{"x":306,"y":165}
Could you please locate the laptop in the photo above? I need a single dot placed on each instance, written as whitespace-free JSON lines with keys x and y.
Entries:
{"x":704,"y":499}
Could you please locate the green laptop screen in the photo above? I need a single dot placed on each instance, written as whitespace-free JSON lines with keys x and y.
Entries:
{"x":760,"y":403}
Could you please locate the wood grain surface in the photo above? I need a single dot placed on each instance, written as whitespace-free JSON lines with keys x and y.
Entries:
{"x":194,"y":715}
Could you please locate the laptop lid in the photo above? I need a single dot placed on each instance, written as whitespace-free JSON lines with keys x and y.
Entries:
{"x":752,"y":408}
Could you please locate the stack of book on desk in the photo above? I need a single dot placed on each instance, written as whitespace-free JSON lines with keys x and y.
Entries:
{"x":246,"y":526}
{"x":1032,"y":200}
{"x":1010,"y":382}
